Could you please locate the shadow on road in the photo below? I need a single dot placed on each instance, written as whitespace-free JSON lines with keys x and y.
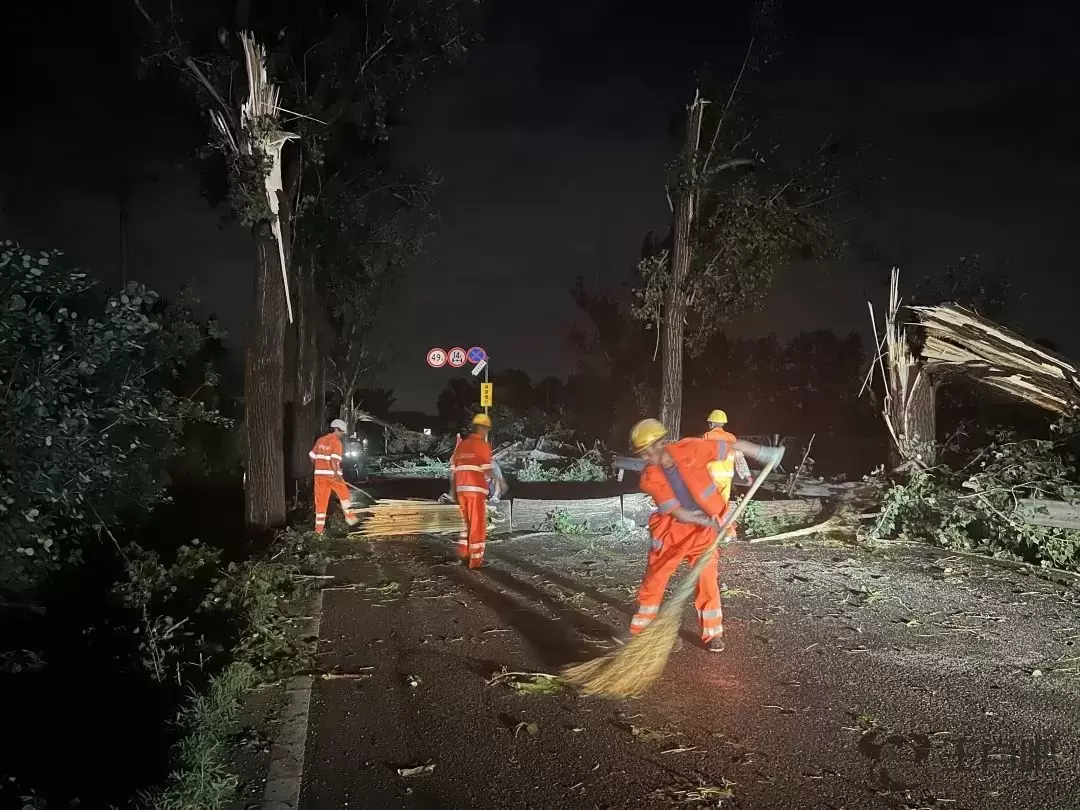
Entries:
{"x":582,"y":622}
{"x":561,"y":580}
{"x":552,"y":641}
{"x":570,"y":584}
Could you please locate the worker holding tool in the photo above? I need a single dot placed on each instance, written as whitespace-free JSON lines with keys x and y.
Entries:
{"x":688,"y":515}
{"x":734,"y":466}
{"x":326,"y":455}
{"x":471,"y":475}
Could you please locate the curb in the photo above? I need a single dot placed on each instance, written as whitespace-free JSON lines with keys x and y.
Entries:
{"x":285,"y":774}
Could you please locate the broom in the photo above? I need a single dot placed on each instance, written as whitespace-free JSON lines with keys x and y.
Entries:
{"x":632,"y":669}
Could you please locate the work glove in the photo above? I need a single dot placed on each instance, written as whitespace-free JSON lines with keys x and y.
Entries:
{"x":771,"y":455}
{"x":445,"y":498}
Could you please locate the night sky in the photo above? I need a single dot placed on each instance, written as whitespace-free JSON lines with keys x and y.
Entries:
{"x":552,"y":141}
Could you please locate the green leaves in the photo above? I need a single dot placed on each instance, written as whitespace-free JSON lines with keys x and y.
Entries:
{"x":89,"y":417}
{"x":974,"y":509}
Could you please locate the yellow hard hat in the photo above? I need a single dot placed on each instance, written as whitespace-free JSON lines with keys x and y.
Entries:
{"x":646,"y":432}
{"x":482,"y":419}
{"x":718,"y":417}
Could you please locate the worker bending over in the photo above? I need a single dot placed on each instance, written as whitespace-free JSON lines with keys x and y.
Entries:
{"x":689,"y":506}
{"x":326,"y":455}
{"x":471,"y":476}
{"x":734,"y":466}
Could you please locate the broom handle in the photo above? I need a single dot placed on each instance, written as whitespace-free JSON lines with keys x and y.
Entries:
{"x":686,"y":587}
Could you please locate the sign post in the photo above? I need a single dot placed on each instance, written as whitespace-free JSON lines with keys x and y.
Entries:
{"x":457,"y":357}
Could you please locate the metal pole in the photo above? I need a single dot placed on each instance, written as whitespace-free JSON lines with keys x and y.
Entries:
{"x":487,"y":367}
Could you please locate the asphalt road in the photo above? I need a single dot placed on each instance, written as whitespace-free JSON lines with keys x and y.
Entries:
{"x":850,"y":680}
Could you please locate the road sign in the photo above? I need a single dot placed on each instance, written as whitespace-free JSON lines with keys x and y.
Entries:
{"x":479,"y":367}
{"x":477,"y":355}
{"x":436,"y":358}
{"x":485,"y":395}
{"x":456,"y":357}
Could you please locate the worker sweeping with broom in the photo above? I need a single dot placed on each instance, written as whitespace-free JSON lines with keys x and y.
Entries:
{"x":326,"y":457}
{"x":685,"y":525}
{"x":471,"y":476}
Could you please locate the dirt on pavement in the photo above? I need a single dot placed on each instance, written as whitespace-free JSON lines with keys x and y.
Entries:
{"x":851,"y":679}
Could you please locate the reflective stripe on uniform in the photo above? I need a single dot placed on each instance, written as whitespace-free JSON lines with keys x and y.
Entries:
{"x":325,"y":472}
{"x":712,"y":614}
{"x":668,"y":506}
{"x":471,"y":468}
{"x":467,"y":488}
{"x":657,"y":545}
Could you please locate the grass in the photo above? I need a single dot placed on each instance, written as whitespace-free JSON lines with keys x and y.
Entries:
{"x":269,"y":647}
{"x":204,"y":779}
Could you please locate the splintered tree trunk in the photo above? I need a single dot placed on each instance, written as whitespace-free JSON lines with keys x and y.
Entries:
{"x":675,"y":298}
{"x":264,"y":406}
{"x":309,"y":400}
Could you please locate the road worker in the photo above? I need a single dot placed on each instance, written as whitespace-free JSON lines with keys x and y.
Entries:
{"x":688,"y":512}
{"x":734,"y":467}
{"x":471,"y":476}
{"x":326,"y":456}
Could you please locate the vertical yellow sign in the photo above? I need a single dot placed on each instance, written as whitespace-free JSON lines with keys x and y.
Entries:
{"x":485,"y":394}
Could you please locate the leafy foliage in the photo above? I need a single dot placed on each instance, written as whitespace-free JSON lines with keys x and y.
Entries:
{"x":91,"y":407}
{"x":753,"y":219}
{"x":587,"y":468}
{"x":973,"y":508}
{"x":254,"y":594}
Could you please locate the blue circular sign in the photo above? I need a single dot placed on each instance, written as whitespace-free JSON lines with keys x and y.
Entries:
{"x":477,"y":355}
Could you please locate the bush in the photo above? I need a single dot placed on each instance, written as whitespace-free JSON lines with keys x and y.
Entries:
{"x":587,"y":468}
{"x":90,"y":408}
{"x":974,"y":509}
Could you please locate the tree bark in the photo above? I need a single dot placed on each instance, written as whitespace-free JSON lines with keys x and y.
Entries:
{"x":309,"y":399}
{"x":264,"y":406}
{"x":675,"y":297}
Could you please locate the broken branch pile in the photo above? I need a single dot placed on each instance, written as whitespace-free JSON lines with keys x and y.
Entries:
{"x":959,"y":341}
{"x":397,"y":518}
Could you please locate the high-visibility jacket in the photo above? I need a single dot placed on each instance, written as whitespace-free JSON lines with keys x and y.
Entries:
{"x":723,"y":471}
{"x":471,"y":465}
{"x":326,"y":455}
{"x":692,"y":459}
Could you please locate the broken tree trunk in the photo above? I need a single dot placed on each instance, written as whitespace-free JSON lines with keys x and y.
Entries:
{"x":958,"y":341}
{"x":675,"y":298}
{"x":309,"y":397}
{"x":264,"y":406}
{"x":910,"y":395}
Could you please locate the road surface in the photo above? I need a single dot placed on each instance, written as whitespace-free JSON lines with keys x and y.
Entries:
{"x":851,"y":679}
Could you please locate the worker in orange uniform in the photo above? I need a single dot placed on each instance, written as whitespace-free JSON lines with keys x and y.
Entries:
{"x":471,"y":474}
{"x":689,"y":506}
{"x":326,"y":456}
{"x":734,"y":466}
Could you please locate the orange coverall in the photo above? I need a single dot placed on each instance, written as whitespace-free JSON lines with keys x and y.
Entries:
{"x":326,"y":455}
{"x":673,"y":541}
{"x":723,"y":471}
{"x":471,"y":468}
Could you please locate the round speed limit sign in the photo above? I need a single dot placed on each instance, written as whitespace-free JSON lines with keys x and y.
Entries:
{"x":456,"y":357}
{"x":436,"y":358}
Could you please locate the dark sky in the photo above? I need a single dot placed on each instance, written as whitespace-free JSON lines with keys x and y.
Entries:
{"x":552,"y":141}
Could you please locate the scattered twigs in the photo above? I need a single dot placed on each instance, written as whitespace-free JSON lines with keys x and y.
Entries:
{"x":798,"y":472}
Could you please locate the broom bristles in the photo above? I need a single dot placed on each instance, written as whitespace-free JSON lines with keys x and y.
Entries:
{"x":631,"y":670}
